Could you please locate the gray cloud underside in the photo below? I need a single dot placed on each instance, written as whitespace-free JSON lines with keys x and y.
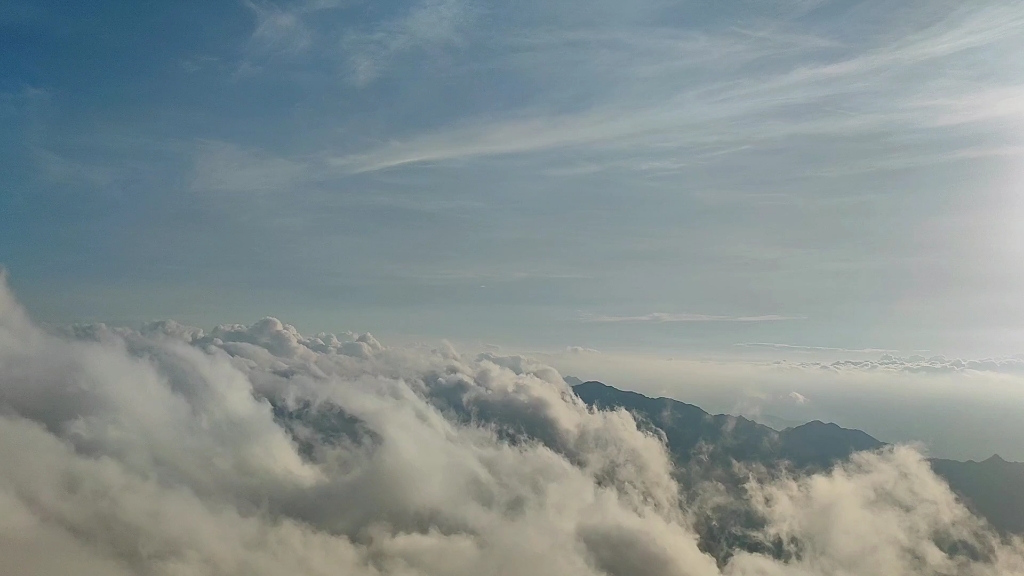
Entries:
{"x":157,"y":452}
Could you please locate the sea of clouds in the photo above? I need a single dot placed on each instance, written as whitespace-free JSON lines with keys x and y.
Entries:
{"x":254,"y":450}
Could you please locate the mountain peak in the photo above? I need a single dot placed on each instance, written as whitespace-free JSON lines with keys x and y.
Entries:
{"x":593,"y":384}
{"x":819,"y":424}
{"x":572,"y":381}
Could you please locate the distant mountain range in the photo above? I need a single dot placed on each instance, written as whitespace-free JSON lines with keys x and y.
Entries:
{"x":705,"y":445}
{"x":723,"y":437}
{"x":712,"y":453}
{"x":993,"y":488}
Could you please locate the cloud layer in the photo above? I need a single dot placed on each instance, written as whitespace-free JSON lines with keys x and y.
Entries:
{"x":257,"y":450}
{"x":921,"y":364}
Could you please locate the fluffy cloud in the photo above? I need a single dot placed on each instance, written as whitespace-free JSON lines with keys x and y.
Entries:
{"x":580,"y":350}
{"x":798,"y":398}
{"x":256,"y":450}
{"x":882,"y":513}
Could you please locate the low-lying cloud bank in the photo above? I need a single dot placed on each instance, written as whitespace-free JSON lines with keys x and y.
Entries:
{"x":255,"y":450}
{"x":920,"y":364}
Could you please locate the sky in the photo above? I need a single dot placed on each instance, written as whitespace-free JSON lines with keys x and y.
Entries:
{"x":652,"y":176}
{"x":787,"y":210}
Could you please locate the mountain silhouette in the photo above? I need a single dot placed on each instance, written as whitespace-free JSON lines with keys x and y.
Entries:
{"x":704,"y":446}
{"x":993,"y":488}
{"x":691,"y":432}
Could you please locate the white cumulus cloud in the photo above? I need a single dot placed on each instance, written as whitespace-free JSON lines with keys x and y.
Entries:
{"x":252,"y":449}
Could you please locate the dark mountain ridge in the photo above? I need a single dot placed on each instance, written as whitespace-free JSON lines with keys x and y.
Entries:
{"x":709,"y":444}
{"x":688,"y":428}
{"x":993,"y":488}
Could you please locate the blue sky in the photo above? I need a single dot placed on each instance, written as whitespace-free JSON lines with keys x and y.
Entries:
{"x":644,"y":175}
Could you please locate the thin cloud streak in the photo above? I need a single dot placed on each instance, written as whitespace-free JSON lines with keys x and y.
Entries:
{"x":660,"y":317}
{"x":689,"y":117}
{"x":799,"y":348}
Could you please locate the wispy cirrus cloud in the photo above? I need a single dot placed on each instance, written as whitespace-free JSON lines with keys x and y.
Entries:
{"x":840,"y":160}
{"x":279,"y":29}
{"x":800,"y":348}
{"x":427,"y":26}
{"x":745,"y":103}
{"x":366,"y":49}
{"x":760,"y":78}
{"x":659,"y":317}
